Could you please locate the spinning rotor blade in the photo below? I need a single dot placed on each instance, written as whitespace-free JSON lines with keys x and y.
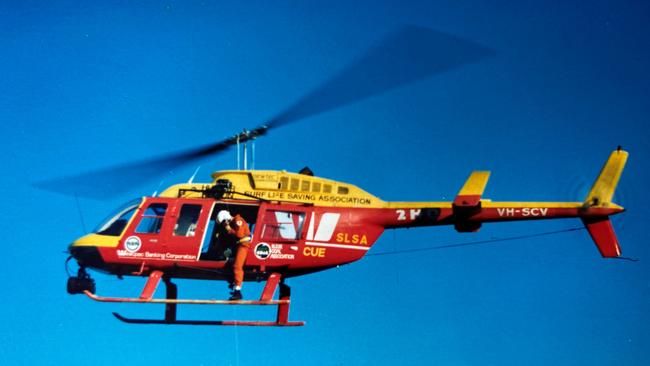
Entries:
{"x":111,"y":181}
{"x":408,"y":55}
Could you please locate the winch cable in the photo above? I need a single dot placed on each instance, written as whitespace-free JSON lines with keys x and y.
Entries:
{"x":483,"y":242}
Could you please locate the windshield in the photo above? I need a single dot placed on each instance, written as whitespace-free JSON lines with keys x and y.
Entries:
{"x":116,"y":222}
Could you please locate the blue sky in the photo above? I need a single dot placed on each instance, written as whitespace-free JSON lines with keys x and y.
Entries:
{"x":84,"y":86}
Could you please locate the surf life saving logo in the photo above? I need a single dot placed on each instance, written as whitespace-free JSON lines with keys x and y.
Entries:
{"x":132,"y":244}
{"x":262,"y":250}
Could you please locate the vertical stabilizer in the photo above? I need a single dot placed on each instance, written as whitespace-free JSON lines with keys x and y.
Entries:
{"x":603,"y":189}
{"x":600,"y":227}
{"x":602,"y":232}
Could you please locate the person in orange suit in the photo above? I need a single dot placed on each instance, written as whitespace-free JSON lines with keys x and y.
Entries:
{"x":237,"y":227}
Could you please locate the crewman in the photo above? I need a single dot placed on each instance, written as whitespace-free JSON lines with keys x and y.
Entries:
{"x":238,"y":228}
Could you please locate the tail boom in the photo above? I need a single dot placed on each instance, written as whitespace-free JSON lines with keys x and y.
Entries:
{"x":469,"y":210}
{"x":415,"y":214}
{"x":515,"y":211}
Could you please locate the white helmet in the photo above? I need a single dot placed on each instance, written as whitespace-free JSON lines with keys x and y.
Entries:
{"x":223,"y":215}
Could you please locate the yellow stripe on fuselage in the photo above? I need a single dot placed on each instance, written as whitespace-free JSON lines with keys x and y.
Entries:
{"x":491,"y":204}
{"x":95,"y":240}
{"x":417,"y":205}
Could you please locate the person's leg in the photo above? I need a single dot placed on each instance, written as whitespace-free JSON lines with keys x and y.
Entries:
{"x":238,"y":269}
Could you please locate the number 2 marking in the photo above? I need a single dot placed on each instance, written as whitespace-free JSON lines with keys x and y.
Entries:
{"x":413,"y":213}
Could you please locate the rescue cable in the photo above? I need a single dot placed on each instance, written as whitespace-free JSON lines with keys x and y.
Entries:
{"x":487,"y":241}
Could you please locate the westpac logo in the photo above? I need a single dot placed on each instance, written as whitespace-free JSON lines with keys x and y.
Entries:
{"x":132,"y":244}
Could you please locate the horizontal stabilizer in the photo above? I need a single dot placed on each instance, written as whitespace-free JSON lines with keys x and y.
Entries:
{"x":470,"y":194}
{"x":602,"y":232}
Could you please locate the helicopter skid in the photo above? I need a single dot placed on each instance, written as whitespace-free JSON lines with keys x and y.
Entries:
{"x":210,"y":322}
{"x":171,"y":302}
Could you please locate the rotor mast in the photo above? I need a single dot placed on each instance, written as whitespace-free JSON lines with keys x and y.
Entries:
{"x":241,"y":140}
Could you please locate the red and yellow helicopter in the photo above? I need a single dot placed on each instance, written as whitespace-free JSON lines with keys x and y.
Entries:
{"x":300,"y":223}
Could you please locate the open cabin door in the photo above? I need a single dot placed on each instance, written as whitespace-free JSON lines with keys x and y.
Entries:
{"x":216,"y":245}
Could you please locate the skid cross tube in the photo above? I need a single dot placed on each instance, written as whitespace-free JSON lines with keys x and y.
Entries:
{"x":171,"y":301}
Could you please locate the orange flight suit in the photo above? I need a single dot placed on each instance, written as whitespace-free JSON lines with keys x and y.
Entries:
{"x":239,"y":228}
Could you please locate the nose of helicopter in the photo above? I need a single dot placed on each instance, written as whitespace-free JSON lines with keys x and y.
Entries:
{"x":86,"y":256}
{"x":86,"y":250}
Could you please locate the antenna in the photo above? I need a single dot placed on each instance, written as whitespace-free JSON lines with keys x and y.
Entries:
{"x":191,"y":180}
{"x":81,"y":216}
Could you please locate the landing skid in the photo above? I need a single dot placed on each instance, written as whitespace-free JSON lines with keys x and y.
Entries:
{"x":209,"y":322}
{"x":171,"y":301}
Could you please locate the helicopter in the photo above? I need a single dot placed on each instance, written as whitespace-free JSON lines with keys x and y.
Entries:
{"x":300,"y":223}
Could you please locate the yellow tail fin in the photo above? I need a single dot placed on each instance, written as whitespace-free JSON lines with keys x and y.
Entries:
{"x":603,"y":189}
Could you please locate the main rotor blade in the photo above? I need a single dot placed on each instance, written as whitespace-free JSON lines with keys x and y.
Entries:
{"x":111,"y":181}
{"x":408,"y":55}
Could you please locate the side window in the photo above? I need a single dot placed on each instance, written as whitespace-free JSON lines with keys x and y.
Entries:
{"x":152,"y":219}
{"x":282,"y":225}
{"x":187,"y":220}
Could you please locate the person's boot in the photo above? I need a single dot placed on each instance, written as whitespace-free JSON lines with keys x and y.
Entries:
{"x":235,"y":295}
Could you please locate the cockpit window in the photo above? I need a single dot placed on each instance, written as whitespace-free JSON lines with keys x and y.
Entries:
{"x":114,"y":225}
{"x":152,"y":219}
